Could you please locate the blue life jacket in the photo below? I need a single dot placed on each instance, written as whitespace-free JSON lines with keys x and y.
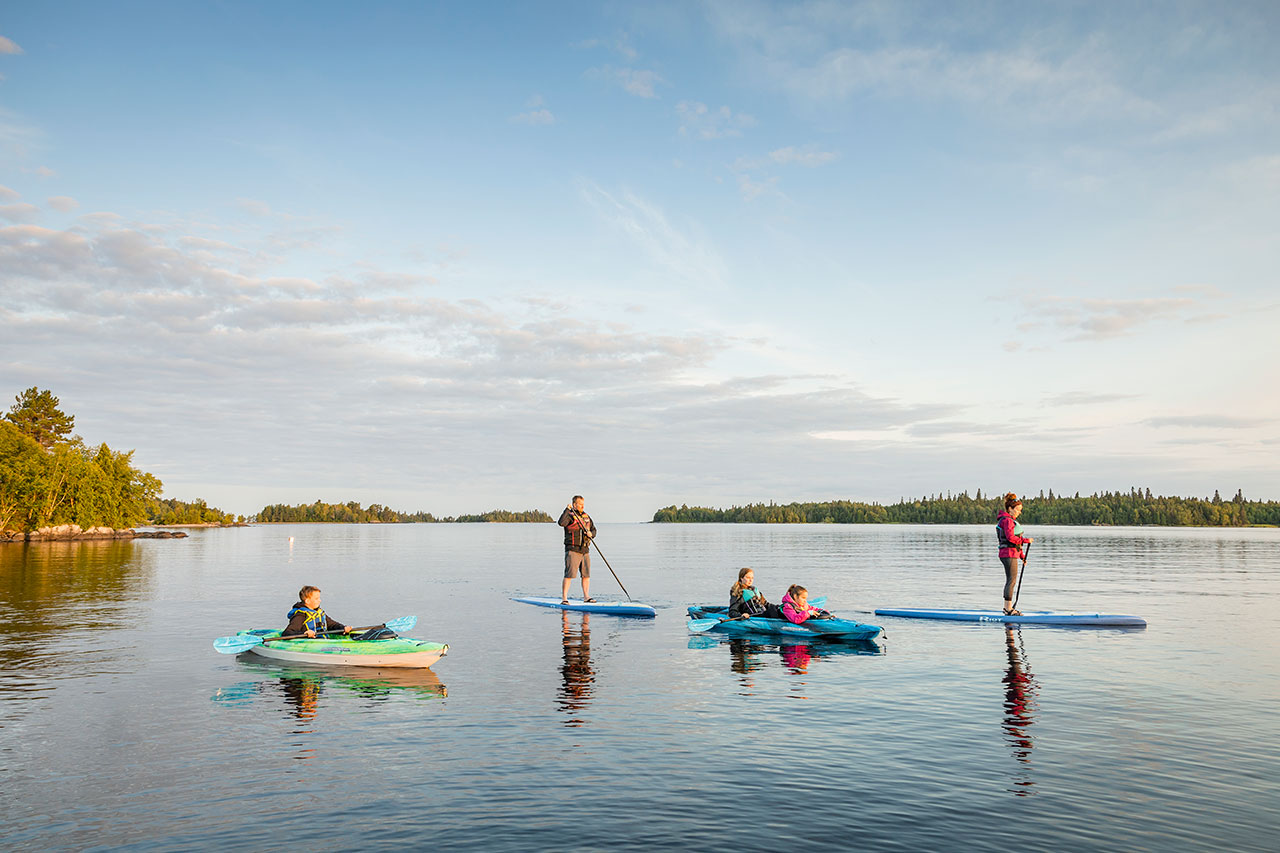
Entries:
{"x":316,"y":619}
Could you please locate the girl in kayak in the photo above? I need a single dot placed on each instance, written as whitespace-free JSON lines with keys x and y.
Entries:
{"x":746,"y":600}
{"x":1009,"y":535}
{"x":795,"y":606}
{"x":308,"y":618}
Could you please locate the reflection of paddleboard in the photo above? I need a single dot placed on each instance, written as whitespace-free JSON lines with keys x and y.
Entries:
{"x":1036,"y":617}
{"x":613,"y":608}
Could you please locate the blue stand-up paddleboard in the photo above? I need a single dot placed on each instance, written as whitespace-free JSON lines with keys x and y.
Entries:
{"x":1031,"y":617}
{"x":612,"y":608}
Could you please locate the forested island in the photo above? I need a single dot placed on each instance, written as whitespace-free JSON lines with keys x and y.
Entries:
{"x":1136,"y":507}
{"x":353,"y":513}
{"x":51,"y":480}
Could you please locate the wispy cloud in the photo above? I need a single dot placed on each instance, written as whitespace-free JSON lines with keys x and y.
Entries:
{"x":679,"y":250}
{"x":1206,"y":422}
{"x":9,"y":46}
{"x":700,"y":121}
{"x":1084,"y":319}
{"x":20,"y":212}
{"x":639,"y":82}
{"x":535,"y":113}
{"x":63,"y":203}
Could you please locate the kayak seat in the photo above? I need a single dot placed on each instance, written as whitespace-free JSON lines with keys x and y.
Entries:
{"x":379,"y":633}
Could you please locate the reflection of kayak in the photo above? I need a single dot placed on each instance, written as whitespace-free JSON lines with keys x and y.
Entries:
{"x":1041,"y":617}
{"x":613,"y":608}
{"x":340,"y":651}
{"x":815,"y":629}
{"x":374,"y":680}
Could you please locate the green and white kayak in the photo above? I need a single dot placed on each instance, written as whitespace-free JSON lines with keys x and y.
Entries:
{"x":341,"y":651}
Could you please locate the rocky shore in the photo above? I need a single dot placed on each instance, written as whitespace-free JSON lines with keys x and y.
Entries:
{"x":74,"y":533}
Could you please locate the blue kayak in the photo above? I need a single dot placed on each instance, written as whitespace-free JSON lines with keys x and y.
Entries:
{"x":1031,"y":617}
{"x":813,"y":629}
{"x":613,"y":608}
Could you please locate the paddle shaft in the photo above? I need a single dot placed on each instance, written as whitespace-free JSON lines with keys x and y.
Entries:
{"x":1025,"y":555}
{"x":587,"y":533}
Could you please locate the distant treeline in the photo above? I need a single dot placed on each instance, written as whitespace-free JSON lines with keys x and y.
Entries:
{"x":1135,"y":507}
{"x":170,"y":511}
{"x":353,"y":513}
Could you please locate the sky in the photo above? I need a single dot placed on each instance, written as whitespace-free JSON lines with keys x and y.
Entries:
{"x":466,"y":256}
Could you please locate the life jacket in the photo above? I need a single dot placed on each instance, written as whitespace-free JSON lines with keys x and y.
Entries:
{"x":315,"y":621}
{"x":752,"y":605}
{"x":575,"y":536}
{"x":1002,"y":537}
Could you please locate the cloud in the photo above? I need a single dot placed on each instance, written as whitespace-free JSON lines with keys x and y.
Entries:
{"x":1206,"y":422}
{"x":680,"y":251}
{"x":9,"y":46}
{"x":638,"y":82}
{"x":63,"y":203}
{"x":7,"y":194}
{"x":20,"y":212}
{"x":806,"y":156}
{"x":1103,"y":319}
{"x":1087,"y":398}
{"x":702,"y":122}
{"x":534,"y":117}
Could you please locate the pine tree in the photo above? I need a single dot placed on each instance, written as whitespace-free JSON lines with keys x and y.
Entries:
{"x":36,"y":414}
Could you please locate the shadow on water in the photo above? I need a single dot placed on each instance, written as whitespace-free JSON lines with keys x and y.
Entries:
{"x":578,"y":676}
{"x":1020,"y":690}
{"x":301,"y":689}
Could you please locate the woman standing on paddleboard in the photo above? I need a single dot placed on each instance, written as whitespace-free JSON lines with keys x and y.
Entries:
{"x":1009,"y":534}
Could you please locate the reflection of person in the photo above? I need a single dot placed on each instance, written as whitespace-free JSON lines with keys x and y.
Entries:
{"x":579,"y":530}
{"x":795,"y":606}
{"x":1009,"y":535}
{"x":576,"y":670}
{"x":303,"y":695}
{"x":797,"y":657}
{"x":307,"y":617}
{"x":1019,"y":700}
{"x":746,"y":600}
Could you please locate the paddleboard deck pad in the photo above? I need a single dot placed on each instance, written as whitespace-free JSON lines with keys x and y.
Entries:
{"x":1028,"y":617}
{"x":612,"y":608}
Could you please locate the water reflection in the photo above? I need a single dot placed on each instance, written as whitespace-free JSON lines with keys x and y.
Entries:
{"x":302,"y":688}
{"x":749,"y":657}
{"x":578,"y":676}
{"x":1019,"y":707}
{"x":79,"y":592}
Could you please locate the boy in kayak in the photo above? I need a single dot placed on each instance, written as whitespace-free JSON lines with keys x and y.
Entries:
{"x":746,"y":601}
{"x":795,"y":606}
{"x":308,"y":618}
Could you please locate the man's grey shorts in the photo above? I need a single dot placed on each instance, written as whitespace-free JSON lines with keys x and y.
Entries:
{"x":573,"y":562}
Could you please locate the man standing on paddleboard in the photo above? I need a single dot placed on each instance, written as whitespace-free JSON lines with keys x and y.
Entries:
{"x":579,"y":530}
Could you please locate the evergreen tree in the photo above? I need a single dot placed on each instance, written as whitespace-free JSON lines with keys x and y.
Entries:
{"x":37,"y":415}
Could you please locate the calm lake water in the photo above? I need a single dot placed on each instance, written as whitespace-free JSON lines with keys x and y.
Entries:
{"x":120,"y":727}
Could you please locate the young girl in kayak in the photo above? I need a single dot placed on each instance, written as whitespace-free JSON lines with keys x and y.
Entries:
{"x":795,"y":606}
{"x":746,"y":600}
{"x":308,"y":618}
{"x":1009,"y":535}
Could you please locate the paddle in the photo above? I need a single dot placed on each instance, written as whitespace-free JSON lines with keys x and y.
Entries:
{"x":1025,"y":555}
{"x":592,"y":540}
{"x":242,"y":642}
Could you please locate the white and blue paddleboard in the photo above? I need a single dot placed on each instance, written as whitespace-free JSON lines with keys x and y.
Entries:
{"x":1030,"y":617}
{"x":613,"y":608}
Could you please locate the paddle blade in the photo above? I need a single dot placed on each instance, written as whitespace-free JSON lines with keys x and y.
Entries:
{"x":235,"y":645}
{"x":699,"y":626}
{"x":818,"y":602}
{"x":404,"y":623}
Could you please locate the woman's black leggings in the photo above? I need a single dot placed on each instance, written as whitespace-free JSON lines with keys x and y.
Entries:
{"x":1010,"y":576}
